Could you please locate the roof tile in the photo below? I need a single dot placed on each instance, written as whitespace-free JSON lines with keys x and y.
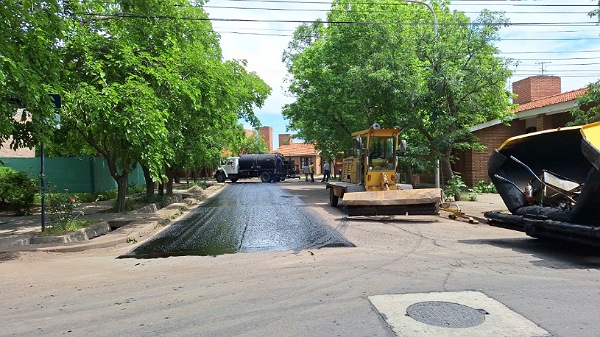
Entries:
{"x":551,"y":100}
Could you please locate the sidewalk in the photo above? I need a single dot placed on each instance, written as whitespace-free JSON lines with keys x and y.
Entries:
{"x":18,"y":233}
{"x":112,"y":229}
{"x":485,"y":202}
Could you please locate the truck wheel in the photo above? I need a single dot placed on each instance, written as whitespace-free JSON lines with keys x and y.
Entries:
{"x":265,"y":177}
{"x":220,"y":177}
{"x":276,"y":179}
{"x":233,"y":180}
{"x":333,"y":199}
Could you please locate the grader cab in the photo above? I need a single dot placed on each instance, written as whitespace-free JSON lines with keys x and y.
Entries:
{"x":368,"y":183}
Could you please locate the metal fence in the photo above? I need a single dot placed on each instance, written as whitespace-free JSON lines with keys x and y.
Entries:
{"x":77,"y":174}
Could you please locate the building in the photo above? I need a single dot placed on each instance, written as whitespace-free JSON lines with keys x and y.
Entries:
{"x":301,"y":153}
{"x":266,"y":133}
{"x":7,"y":152}
{"x":542,"y":106}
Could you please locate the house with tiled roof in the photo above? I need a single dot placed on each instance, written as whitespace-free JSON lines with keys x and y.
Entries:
{"x":542,"y":106}
{"x":301,"y":153}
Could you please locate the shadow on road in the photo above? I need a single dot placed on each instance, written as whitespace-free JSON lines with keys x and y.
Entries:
{"x":551,"y":253}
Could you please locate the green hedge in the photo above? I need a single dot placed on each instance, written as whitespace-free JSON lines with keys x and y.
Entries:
{"x":17,"y":190}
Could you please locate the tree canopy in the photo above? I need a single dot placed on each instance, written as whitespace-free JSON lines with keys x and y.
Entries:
{"x":382,"y":62}
{"x":29,"y":67}
{"x":141,"y":82}
{"x":588,"y":108}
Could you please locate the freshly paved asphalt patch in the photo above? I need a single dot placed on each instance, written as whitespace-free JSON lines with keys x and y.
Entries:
{"x":244,"y":217}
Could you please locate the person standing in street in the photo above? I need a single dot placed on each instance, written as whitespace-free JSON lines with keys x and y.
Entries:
{"x":312,"y":172}
{"x":306,"y":171}
{"x":326,"y":171}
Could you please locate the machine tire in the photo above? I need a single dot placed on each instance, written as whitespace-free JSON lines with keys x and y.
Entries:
{"x":265,"y":177}
{"x":220,"y":177}
{"x":233,"y":180}
{"x":333,"y":199}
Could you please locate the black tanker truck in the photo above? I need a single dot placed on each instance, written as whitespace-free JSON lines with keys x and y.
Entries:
{"x":269,"y":167}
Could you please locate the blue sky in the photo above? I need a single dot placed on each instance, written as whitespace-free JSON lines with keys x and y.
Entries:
{"x":556,"y":37}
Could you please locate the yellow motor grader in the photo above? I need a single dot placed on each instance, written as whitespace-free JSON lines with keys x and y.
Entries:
{"x":368,"y":181}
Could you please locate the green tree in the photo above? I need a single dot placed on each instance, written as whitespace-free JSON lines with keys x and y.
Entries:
{"x":109,"y":100}
{"x":29,"y":67}
{"x":588,"y":106}
{"x":389,"y":67}
{"x":147,"y":84}
{"x":250,"y":144}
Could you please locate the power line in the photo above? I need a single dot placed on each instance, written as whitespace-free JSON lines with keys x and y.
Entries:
{"x":171,"y":17}
{"x":393,"y":3}
{"x":551,"y":52}
{"x":366,"y":11}
{"x":504,"y":39}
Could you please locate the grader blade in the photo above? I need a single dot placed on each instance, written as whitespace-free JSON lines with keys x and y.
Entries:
{"x":394,"y":202}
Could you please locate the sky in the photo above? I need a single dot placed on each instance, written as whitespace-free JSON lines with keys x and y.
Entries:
{"x":546,"y":37}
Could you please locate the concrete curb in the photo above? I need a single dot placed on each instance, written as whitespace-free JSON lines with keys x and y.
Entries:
{"x":83,"y":234}
{"x":126,"y":228}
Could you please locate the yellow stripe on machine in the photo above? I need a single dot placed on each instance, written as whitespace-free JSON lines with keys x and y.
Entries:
{"x":517,"y":140}
{"x":591,"y":132}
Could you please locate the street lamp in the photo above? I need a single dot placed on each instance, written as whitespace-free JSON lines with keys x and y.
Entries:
{"x":435,"y":35}
{"x":432,"y":13}
{"x":57,"y":105}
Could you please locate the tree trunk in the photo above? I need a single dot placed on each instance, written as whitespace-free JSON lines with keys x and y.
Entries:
{"x":170,"y":178}
{"x":448,"y":174}
{"x":122,"y":191}
{"x":446,"y":170}
{"x":409,"y":176}
{"x":149,"y":182}
{"x":161,"y":188}
{"x":120,"y":179}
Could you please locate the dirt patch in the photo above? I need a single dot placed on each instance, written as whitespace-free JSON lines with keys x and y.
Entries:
{"x":8,"y":256}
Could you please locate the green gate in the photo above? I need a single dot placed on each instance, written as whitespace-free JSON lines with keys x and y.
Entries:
{"x":76,"y":174}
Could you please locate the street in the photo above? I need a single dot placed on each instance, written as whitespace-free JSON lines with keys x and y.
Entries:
{"x":310,"y":292}
{"x":244,"y":217}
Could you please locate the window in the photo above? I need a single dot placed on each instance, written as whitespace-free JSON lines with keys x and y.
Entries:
{"x":382,"y":156}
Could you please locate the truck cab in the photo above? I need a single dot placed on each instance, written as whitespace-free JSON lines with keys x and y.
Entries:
{"x":228,"y":170}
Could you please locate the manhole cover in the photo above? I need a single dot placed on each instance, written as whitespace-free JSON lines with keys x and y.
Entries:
{"x":446,"y":314}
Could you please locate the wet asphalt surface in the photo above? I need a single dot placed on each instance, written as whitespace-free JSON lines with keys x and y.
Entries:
{"x":243,"y":218}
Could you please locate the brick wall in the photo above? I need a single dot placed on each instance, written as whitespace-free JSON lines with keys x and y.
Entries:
{"x":473,"y":164}
{"x":285,"y":139}
{"x":7,"y":152}
{"x":536,"y":87}
{"x":560,"y":120}
{"x":266,"y":132}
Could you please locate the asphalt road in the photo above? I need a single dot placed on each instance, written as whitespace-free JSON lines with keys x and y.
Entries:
{"x":312,"y":292}
{"x":243,"y":218}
